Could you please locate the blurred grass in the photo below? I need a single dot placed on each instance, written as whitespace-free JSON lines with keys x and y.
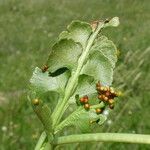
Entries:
{"x":27,"y":31}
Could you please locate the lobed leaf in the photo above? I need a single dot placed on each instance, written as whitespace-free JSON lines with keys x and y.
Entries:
{"x":88,"y":59}
{"x":99,"y":65}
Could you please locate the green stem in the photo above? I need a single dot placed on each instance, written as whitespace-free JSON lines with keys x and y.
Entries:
{"x":104,"y":137}
{"x":101,"y":105}
{"x":40,"y":141}
{"x":57,"y":114}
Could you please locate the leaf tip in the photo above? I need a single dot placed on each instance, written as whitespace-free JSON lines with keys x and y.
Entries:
{"x":114,"y":22}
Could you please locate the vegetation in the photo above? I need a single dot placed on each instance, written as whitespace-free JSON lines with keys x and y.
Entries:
{"x":28,"y":30}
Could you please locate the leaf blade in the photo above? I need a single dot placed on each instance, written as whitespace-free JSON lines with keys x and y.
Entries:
{"x":77,"y":31}
{"x":65,"y":53}
{"x":43,"y":82}
{"x":99,"y":67}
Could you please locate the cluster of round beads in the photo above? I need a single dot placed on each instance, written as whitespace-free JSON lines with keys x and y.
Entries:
{"x":106,"y":94}
{"x":85,"y":101}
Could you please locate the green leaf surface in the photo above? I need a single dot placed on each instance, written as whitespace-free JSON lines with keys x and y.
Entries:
{"x":99,"y":67}
{"x":43,"y":82}
{"x":99,"y":61}
{"x":114,"y":22}
{"x":86,"y":85}
{"x":65,"y":53}
{"x":77,"y":31}
{"x":82,"y":119}
{"x":107,"y":48}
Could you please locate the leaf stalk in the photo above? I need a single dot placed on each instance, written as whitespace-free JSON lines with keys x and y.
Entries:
{"x":104,"y":137}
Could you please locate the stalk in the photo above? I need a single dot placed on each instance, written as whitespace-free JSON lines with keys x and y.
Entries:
{"x":104,"y":137}
{"x":40,"y":141}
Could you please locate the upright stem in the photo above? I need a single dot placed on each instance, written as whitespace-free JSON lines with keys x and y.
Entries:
{"x":57,"y":114}
{"x":104,"y":137}
{"x":40,"y":141}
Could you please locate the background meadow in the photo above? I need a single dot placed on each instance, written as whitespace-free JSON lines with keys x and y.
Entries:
{"x":29,"y":28}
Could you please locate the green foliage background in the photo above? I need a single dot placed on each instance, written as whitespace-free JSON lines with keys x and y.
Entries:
{"x":27,"y":31}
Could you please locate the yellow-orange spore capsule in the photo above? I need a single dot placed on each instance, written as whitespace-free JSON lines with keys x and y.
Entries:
{"x":98,"y":110}
{"x":87,"y":106}
{"x":101,"y":88}
{"x":98,"y":88}
{"x":100,"y":96}
{"x":105,"y":98}
{"x":111,"y":101}
{"x":35,"y":101}
{"x":112,"y":90}
{"x":82,"y":100}
{"x":105,"y":89}
{"x":98,"y":84}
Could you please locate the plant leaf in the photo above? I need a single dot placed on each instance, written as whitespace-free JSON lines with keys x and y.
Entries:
{"x":114,"y":22}
{"x":81,"y":119}
{"x":107,"y":48}
{"x":77,"y":31}
{"x":43,"y":82}
{"x":65,"y":53}
{"x":86,"y":59}
{"x":86,"y":85}
{"x":100,"y":68}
